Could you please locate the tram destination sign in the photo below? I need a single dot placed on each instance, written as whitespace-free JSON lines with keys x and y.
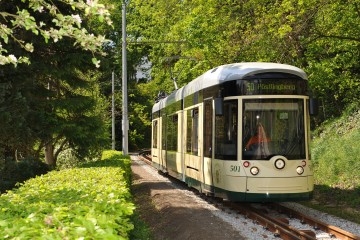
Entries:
{"x":251,"y":87}
{"x":259,"y":87}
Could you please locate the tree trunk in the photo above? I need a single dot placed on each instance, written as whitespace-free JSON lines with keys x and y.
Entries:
{"x":49,"y":155}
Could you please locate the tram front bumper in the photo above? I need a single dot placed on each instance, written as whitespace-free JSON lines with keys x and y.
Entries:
{"x":279,"y":189}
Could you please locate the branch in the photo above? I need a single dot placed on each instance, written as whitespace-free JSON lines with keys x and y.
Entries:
{"x":60,"y":149}
{"x":6,"y":14}
{"x":339,"y":37}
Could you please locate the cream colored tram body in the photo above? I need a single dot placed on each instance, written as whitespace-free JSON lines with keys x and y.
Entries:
{"x":239,"y":131}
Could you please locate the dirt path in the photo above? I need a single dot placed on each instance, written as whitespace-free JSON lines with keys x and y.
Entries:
{"x":172,"y":213}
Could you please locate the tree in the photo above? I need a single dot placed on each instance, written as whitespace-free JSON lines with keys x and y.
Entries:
{"x":17,"y":16}
{"x":319,"y":36}
{"x":55,"y":101}
{"x":333,"y":55}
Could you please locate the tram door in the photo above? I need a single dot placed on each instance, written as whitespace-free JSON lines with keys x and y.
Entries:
{"x":163,"y":144}
{"x":156,"y":142}
{"x":208,"y":146}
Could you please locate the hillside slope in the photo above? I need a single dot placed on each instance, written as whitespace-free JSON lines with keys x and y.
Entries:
{"x":336,"y":152}
{"x":336,"y":158}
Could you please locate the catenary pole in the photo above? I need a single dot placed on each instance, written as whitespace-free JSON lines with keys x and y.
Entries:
{"x":113,"y":111}
{"x":125,"y":122}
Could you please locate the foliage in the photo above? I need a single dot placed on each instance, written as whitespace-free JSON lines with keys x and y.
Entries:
{"x":140,"y":118}
{"x":26,"y":16}
{"x":336,"y":201}
{"x":92,"y":202}
{"x":112,"y":156}
{"x":336,"y":154}
{"x":15,"y":172}
{"x":68,"y":159}
{"x":333,"y":55}
{"x":141,"y":229}
{"x":53,"y":107}
{"x":321,"y":36}
{"x":59,"y":105}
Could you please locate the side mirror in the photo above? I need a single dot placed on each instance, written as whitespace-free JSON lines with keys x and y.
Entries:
{"x":313,"y":106}
{"x":219,"y":106}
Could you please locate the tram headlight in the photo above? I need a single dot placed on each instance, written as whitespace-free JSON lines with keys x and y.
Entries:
{"x":254,"y":171}
{"x":279,"y":163}
{"x":300,"y":170}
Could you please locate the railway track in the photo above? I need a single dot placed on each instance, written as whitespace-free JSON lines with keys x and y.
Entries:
{"x":145,"y":155}
{"x":316,"y":224}
{"x":278,"y":223}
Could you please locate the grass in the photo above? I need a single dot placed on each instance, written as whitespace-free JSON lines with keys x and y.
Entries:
{"x":336,"y":159}
{"x":141,"y":229}
{"x":335,"y":201}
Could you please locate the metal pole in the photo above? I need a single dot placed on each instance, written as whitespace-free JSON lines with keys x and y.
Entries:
{"x":113,"y":111}
{"x":125,"y":122}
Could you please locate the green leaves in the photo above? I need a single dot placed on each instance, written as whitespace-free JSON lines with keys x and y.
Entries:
{"x":320,"y":36}
{"x":96,"y":62}
{"x":64,"y":25}
{"x":91,"y":202}
{"x":333,"y":55}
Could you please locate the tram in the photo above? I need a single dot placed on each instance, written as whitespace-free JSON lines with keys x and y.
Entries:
{"x":239,"y":132}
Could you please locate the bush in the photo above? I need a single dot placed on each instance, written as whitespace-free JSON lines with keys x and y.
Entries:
{"x":14,"y":172}
{"x":92,"y":202}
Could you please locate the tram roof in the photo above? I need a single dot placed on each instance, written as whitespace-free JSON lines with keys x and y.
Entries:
{"x":224,"y":73}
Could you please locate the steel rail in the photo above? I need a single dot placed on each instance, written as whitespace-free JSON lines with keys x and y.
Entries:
{"x":145,"y":154}
{"x":277,"y":226}
{"x":317,"y":224}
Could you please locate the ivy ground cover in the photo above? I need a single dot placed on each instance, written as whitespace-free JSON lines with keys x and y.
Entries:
{"x":91,"y":202}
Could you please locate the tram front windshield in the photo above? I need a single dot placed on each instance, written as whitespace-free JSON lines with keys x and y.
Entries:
{"x":273,"y":127}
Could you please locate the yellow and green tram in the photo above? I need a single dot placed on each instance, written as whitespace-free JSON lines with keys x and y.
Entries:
{"x":239,"y":132}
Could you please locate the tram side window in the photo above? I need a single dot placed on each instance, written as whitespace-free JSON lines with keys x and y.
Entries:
{"x":208,"y":131}
{"x":172,"y":132}
{"x":155,"y":133}
{"x":192,"y":134}
{"x":163,"y":133}
{"x":226,"y":132}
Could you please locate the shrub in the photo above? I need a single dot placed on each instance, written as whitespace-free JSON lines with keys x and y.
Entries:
{"x":14,"y":172}
{"x":92,"y":202}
